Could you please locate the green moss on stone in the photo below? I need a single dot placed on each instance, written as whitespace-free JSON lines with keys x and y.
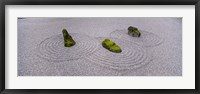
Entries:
{"x":133,"y":31}
{"x":111,"y":46}
{"x":68,"y":40}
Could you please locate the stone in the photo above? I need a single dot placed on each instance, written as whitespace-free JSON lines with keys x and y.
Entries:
{"x":68,"y":40}
{"x":133,"y":31}
{"x":111,"y":46}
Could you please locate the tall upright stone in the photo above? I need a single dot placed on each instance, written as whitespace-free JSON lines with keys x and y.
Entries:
{"x":68,"y":40}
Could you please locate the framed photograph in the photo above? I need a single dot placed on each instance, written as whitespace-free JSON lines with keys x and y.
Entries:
{"x":71,"y":46}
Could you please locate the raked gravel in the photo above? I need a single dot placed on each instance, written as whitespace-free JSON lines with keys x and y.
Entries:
{"x":158,"y":52}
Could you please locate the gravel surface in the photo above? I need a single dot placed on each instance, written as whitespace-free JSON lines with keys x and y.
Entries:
{"x":158,"y":52}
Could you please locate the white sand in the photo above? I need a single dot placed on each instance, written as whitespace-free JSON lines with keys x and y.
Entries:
{"x":158,"y":52}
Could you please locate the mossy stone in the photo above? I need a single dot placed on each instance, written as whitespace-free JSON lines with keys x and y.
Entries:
{"x":133,"y":31}
{"x":111,"y":46}
{"x":68,"y":40}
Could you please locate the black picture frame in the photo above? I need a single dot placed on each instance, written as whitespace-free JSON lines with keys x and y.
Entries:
{"x":3,"y":3}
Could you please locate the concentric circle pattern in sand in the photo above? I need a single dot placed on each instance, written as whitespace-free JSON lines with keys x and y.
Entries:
{"x":53,"y":50}
{"x":132,"y":55}
{"x":146,"y":39}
